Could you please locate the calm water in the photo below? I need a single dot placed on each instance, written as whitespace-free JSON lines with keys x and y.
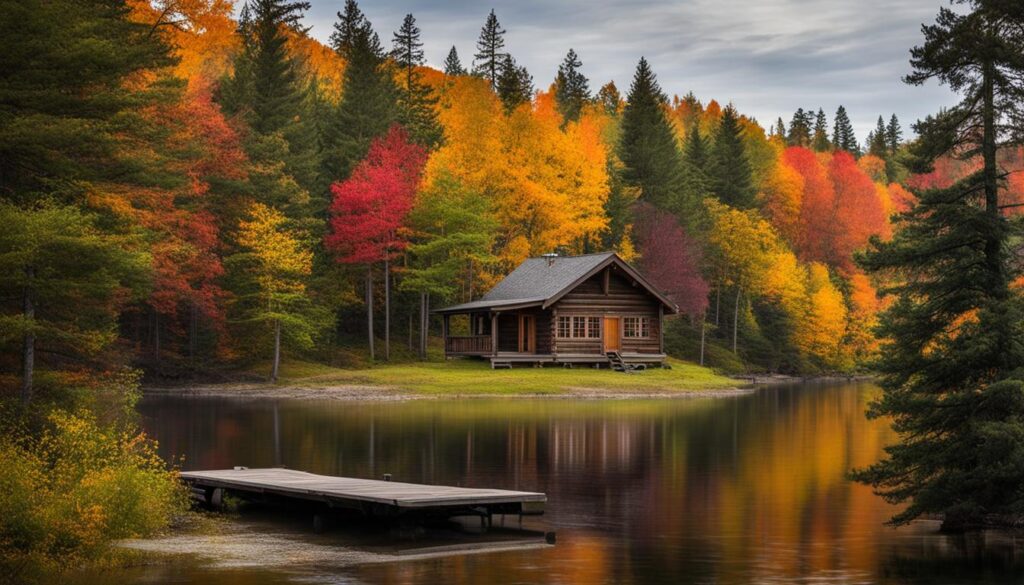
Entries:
{"x":746,"y":489}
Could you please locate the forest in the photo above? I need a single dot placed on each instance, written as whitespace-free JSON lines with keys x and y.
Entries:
{"x":187,"y":192}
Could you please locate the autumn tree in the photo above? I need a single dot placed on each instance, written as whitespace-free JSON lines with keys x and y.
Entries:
{"x":273,"y":266}
{"x":609,"y":98}
{"x":647,"y":145}
{"x":952,"y":340}
{"x":489,"y":60}
{"x":416,"y":102}
{"x":800,"y":129}
{"x":369,"y":212}
{"x":572,"y":91}
{"x":728,"y":166}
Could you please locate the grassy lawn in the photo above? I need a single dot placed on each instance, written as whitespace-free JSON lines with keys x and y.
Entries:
{"x":476,"y":377}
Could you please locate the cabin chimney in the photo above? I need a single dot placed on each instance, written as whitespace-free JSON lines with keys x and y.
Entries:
{"x":550,"y":257}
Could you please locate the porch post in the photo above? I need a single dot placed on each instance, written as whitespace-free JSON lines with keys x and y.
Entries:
{"x":661,"y":328}
{"x":444,"y":333}
{"x":494,"y":334}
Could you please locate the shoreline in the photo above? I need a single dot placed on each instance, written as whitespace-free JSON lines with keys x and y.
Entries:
{"x":369,"y":393}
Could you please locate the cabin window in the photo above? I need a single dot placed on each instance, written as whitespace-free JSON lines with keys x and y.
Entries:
{"x":636,"y":327}
{"x":579,"y":327}
{"x":563,"y":326}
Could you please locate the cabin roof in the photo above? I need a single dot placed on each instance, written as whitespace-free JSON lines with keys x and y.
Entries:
{"x":542,"y":281}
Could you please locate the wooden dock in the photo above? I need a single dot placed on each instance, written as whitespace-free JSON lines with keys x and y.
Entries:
{"x":367,"y":496}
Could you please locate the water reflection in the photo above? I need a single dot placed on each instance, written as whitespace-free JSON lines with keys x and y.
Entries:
{"x":738,"y":490}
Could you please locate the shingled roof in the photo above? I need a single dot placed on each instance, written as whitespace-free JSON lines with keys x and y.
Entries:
{"x":542,"y":281}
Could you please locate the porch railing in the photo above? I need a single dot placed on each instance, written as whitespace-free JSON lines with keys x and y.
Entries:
{"x":468,"y":344}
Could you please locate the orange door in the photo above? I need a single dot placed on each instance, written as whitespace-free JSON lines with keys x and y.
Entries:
{"x":527,"y":334}
{"x":612,"y":342}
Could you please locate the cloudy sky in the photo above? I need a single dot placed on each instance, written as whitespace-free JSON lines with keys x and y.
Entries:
{"x":768,"y":57}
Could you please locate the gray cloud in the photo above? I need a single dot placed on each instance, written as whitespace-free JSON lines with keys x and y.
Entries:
{"x":768,"y":57}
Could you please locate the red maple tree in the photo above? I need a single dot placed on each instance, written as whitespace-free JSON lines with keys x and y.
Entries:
{"x":670,"y":259}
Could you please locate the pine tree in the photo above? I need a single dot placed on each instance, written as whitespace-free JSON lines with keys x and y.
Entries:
{"x":489,"y":60}
{"x":843,"y":136}
{"x":350,"y":23}
{"x":953,"y":339}
{"x":452,"y":64}
{"x":515,"y":84}
{"x":893,"y":134}
{"x":368,"y":106}
{"x":696,"y":185}
{"x":780,"y":129}
{"x":819,"y":141}
{"x":728,"y":166}
{"x":878,"y":145}
{"x":416,"y":102}
{"x":572,"y":91}
{"x":647,"y":145}
{"x":800,"y":129}
{"x":610,"y":98}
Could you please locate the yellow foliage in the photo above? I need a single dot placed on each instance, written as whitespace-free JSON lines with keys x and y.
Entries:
{"x":826,"y":320}
{"x":200,"y":32}
{"x":281,"y":258}
{"x":782,"y":196}
{"x":873,"y":167}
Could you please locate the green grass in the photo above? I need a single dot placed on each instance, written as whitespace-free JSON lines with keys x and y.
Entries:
{"x":463,"y":376}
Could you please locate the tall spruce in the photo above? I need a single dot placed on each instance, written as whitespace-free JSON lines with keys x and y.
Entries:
{"x":515,"y":84}
{"x":572,"y":90}
{"x":351,"y":21}
{"x":368,"y":105}
{"x":779,"y":129}
{"x":893,"y":134}
{"x":416,"y":101}
{"x":800,"y":129}
{"x":843,"y":136}
{"x":819,"y":140}
{"x":731,"y":178}
{"x":647,"y":145}
{"x":489,"y":60}
{"x":952,"y":338}
{"x":452,"y":64}
{"x":696,"y":184}
{"x":877,"y":144}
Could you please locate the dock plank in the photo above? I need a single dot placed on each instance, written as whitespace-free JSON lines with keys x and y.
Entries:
{"x":392,"y":493}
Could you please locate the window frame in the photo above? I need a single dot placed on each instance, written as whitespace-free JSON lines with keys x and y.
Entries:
{"x":579,"y":327}
{"x":641,"y":327}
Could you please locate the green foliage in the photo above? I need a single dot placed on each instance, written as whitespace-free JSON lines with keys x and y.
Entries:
{"x":572,"y":91}
{"x":416,"y":103}
{"x":368,"y":106}
{"x":647,"y":146}
{"x":67,"y":493}
{"x":728,"y":165}
{"x":800,"y":129}
{"x":454,"y":227}
{"x":515,"y":84}
{"x":819,"y":141}
{"x":488,"y":62}
{"x":843,"y":136}
{"x":452,"y":64}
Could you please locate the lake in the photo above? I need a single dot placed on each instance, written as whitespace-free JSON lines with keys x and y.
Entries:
{"x":746,"y":489}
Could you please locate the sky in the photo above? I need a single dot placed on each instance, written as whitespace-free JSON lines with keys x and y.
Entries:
{"x":767,"y":57}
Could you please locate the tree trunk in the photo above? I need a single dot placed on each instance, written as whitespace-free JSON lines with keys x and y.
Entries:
{"x":156,"y":336}
{"x":424,"y":324}
{"x":277,"y":350}
{"x":718,"y":302}
{"x":193,"y":334}
{"x":735,"y":319}
{"x":369,"y":308}
{"x":28,"y":356}
{"x":410,"y":332}
{"x":703,"y":328}
{"x":990,"y":173}
{"x":387,"y":310}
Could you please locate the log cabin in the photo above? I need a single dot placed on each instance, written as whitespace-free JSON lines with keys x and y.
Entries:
{"x":593,"y":309}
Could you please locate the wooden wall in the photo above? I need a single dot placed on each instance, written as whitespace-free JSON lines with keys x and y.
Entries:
{"x":508,"y":330}
{"x":623,"y":298}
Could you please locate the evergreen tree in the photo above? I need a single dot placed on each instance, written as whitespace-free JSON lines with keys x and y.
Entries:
{"x":780,"y":129}
{"x":416,"y":102}
{"x":489,"y":60}
{"x":515,"y":84}
{"x":819,"y":141}
{"x":843,"y":136}
{"x":368,"y":106}
{"x":800,"y":129}
{"x":893,"y":134}
{"x":572,"y":91}
{"x":878,"y":145}
{"x":610,"y":98}
{"x":452,"y":64}
{"x":696,"y":185}
{"x":731,"y":178}
{"x":269,"y":92}
{"x":647,"y":145}
{"x":953,"y":340}
{"x":350,"y":23}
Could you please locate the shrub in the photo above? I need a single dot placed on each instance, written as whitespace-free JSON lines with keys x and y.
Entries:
{"x":66,"y":494}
